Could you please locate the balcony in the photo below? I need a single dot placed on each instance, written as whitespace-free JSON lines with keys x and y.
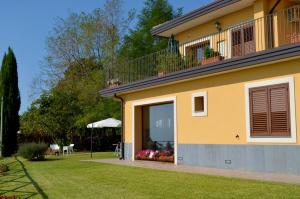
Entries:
{"x":276,"y":30}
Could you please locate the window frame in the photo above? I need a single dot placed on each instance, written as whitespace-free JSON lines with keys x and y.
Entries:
{"x":199,"y":113}
{"x":275,"y":139}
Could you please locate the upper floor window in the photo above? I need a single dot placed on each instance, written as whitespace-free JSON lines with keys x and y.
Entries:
{"x":195,"y":52}
{"x":242,"y":40}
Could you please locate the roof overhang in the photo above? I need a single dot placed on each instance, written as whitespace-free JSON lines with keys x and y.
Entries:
{"x":200,"y":16}
{"x":254,"y":60}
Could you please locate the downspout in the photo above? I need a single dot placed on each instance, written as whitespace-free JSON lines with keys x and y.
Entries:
{"x":275,"y":5}
{"x":122,"y":126}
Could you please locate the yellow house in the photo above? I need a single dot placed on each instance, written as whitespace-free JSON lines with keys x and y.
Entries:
{"x":225,"y":94}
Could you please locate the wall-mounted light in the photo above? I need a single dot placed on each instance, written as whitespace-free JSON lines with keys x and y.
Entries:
{"x":218,"y":26}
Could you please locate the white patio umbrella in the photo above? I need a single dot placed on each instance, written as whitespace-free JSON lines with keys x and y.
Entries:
{"x":110,"y":123}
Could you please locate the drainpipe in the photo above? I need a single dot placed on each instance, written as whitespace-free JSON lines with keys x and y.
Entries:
{"x":275,"y":5}
{"x":122,"y":126}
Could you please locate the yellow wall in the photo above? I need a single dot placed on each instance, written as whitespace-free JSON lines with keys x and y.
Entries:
{"x":226,"y":103}
{"x":258,"y":11}
{"x":209,"y":28}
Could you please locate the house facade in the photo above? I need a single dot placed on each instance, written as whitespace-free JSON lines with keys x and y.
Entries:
{"x":224,"y":94}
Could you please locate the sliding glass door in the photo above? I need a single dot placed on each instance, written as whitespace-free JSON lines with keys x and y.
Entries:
{"x":158,"y":128}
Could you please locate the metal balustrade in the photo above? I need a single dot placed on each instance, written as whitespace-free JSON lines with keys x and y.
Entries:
{"x":271,"y":31}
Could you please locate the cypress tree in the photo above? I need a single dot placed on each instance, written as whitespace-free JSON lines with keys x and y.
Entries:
{"x":11,"y":102}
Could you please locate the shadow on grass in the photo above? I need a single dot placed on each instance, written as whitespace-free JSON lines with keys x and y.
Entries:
{"x":33,"y":182}
{"x":52,"y":159}
{"x":17,"y":181}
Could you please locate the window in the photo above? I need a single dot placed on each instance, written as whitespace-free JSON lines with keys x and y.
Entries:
{"x":242,"y":40}
{"x":270,"y":111}
{"x":199,"y":104}
{"x":195,"y":52}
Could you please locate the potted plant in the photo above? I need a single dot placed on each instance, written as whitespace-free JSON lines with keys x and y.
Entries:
{"x":113,"y":83}
{"x":294,"y":38}
{"x":211,"y":56}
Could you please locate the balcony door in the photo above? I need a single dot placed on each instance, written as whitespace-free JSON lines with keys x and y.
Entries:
{"x":195,"y":53}
{"x":242,"y":40}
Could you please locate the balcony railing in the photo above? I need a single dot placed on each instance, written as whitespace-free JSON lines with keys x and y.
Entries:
{"x":271,"y":31}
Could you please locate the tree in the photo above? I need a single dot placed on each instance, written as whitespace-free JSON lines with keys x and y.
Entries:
{"x":140,"y":42}
{"x":79,"y":49}
{"x":11,"y":101}
{"x":82,"y":39}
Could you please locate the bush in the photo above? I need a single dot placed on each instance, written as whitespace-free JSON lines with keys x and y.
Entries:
{"x":3,"y":168}
{"x":33,"y":151}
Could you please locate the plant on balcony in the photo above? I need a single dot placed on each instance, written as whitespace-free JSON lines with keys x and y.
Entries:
{"x":113,"y":83}
{"x":168,"y":62}
{"x":211,"y":56}
{"x":294,"y":38}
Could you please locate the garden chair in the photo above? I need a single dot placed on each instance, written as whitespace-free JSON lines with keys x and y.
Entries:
{"x":71,"y":148}
{"x":65,"y":149}
{"x":117,"y":149}
{"x":55,"y":148}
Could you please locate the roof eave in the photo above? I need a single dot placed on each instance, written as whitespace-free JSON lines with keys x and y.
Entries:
{"x":159,"y":29}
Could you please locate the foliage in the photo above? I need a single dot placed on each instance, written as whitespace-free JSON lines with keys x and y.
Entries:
{"x":33,"y":151}
{"x":83,"y":39}
{"x":209,"y":52}
{"x":11,"y":101}
{"x":140,"y":40}
{"x":65,"y":110}
{"x":3,"y":168}
{"x":78,"y":49}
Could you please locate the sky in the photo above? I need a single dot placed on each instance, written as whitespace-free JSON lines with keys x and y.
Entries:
{"x":25,"y":26}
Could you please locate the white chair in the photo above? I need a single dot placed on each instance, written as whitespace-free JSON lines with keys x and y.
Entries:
{"x":65,"y":149}
{"x":71,"y":148}
{"x":117,"y":149}
{"x":55,"y":148}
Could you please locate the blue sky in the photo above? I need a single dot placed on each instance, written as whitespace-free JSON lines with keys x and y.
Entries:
{"x":25,"y":26}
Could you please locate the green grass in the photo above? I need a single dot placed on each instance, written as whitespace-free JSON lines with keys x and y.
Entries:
{"x":67,"y":177}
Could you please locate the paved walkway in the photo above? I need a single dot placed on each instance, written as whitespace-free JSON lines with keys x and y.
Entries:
{"x":273,"y":177}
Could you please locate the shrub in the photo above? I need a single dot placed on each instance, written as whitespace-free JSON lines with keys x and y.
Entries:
{"x":33,"y":151}
{"x":3,"y":168}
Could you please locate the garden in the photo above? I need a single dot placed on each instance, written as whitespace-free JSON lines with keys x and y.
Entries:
{"x":69,"y":177}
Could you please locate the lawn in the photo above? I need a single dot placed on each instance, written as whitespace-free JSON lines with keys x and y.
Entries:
{"x":67,"y":177}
